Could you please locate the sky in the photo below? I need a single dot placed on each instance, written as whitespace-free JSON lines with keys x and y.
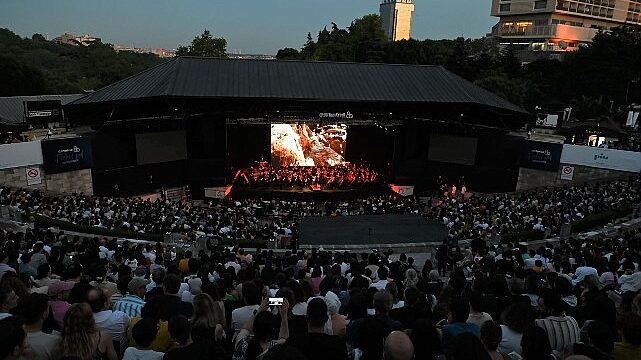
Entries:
{"x":250,"y":26}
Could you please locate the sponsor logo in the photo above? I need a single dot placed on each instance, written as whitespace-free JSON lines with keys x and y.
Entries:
{"x":345,"y":115}
{"x":600,"y":157}
{"x":69,"y":155}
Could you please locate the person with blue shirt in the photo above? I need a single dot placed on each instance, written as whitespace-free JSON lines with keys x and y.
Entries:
{"x":457,"y":323}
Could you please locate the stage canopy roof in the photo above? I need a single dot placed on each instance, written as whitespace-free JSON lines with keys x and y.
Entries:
{"x":202,"y":78}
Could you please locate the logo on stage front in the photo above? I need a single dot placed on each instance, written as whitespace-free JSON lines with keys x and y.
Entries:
{"x":344,"y":115}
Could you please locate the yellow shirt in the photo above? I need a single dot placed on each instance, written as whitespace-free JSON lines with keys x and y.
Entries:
{"x":183,"y":265}
{"x":163,"y":341}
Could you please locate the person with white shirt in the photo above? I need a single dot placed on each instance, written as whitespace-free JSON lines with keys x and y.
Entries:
{"x":251,"y":295}
{"x":382,"y":275}
{"x":35,"y":309}
{"x":630,"y":281}
{"x":116,"y":323}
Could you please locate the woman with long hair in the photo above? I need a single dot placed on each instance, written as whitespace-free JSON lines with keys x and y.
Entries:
{"x":207,"y":320}
{"x":81,"y":339}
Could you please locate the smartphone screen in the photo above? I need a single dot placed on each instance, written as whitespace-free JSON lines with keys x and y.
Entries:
{"x":275,"y":301}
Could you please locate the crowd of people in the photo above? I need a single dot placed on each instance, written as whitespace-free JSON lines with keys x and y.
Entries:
{"x":64,"y":297}
{"x":465,"y":217}
{"x":546,"y":208}
{"x":345,"y":176}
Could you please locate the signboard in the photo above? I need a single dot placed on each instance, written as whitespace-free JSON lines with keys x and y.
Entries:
{"x":43,"y":112}
{"x":34,"y":177}
{"x":62,"y":155}
{"x":20,"y":154}
{"x":601,"y":158}
{"x":567,"y":172}
{"x":403,"y":190}
{"x":540,"y":155}
{"x":217,"y":192}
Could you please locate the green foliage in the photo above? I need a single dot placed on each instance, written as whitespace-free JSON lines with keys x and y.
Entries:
{"x":204,"y":45}
{"x":36,"y":66}
{"x":288,"y":54}
{"x":503,"y":86}
{"x":19,"y":79}
{"x":599,"y":71}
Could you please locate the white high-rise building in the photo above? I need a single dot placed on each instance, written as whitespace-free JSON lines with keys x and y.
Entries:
{"x":397,"y":18}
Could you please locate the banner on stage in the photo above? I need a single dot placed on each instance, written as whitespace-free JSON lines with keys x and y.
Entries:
{"x":217,"y":192}
{"x":402,"y":190}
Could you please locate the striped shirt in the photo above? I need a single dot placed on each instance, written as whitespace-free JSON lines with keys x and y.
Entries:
{"x":562,"y":331}
{"x":130,"y":305}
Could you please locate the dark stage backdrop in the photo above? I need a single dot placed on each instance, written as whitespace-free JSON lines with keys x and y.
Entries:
{"x":159,"y":147}
{"x":247,"y":144}
{"x":371,"y":145}
{"x":493,"y":169}
{"x":452,"y":149}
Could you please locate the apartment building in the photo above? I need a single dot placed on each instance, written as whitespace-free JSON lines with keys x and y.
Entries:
{"x":559,"y":25}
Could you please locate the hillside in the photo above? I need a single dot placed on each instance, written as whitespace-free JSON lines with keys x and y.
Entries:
{"x":37,"y":66}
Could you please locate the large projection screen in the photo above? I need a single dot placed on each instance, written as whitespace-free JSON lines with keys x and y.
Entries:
{"x":452,"y":149}
{"x":159,"y":147}
{"x":297,"y":144}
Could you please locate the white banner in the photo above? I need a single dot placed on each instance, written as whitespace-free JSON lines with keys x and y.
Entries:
{"x":601,"y":158}
{"x":20,"y":154}
{"x":403,"y":190}
{"x":217,"y":192}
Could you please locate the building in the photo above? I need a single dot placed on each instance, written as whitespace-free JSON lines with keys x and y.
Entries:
{"x":160,"y":52}
{"x":75,"y":40}
{"x":559,"y":25}
{"x":223,"y":111}
{"x":397,"y":18}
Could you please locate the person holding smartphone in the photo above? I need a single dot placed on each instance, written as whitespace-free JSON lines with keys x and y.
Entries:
{"x":255,"y":340}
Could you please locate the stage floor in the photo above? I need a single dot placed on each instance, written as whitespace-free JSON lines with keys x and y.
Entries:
{"x":355,"y":230}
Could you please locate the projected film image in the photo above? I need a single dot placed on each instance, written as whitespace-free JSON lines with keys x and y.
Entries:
{"x":308,"y":144}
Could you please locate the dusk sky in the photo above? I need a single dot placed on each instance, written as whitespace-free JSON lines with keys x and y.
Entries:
{"x":250,"y":26}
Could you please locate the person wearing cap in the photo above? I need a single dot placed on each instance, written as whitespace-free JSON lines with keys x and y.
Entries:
{"x":132,"y":303}
{"x":116,"y":323}
{"x":58,"y":294}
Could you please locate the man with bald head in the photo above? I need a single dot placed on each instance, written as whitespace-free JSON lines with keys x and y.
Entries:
{"x":398,"y":346}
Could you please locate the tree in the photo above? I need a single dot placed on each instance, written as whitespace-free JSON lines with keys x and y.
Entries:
{"x":368,"y":38}
{"x":510,"y":63}
{"x":309,"y":48}
{"x":288,"y":54}
{"x":204,"y":45}
{"x":38,"y":37}
{"x":509,"y":89}
{"x":19,"y":79}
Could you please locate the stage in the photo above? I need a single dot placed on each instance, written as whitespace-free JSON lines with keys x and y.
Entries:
{"x":306,"y":194}
{"x":372,"y":230}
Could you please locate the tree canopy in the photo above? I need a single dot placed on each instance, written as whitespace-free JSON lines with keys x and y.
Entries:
{"x":599,"y":72}
{"x":36,"y":66}
{"x":204,"y":45}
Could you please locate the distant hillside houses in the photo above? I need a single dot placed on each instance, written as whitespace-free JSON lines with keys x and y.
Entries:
{"x":75,"y":40}
{"x":160,"y":52}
